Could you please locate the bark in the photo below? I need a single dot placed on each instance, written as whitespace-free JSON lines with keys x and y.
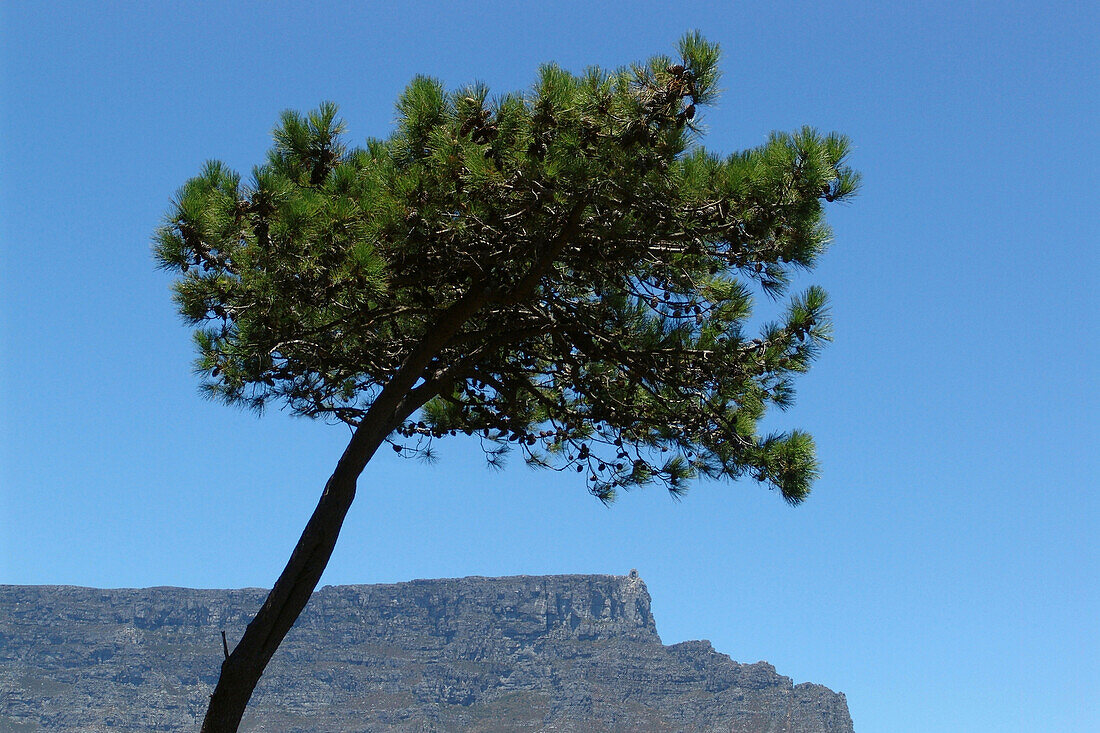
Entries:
{"x":241,"y":671}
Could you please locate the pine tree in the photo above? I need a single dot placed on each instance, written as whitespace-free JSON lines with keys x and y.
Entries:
{"x":564,"y":273}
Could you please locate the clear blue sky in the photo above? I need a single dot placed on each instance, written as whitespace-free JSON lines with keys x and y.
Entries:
{"x":945,"y":574}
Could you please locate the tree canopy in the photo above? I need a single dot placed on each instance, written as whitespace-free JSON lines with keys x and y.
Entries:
{"x":579,"y":267}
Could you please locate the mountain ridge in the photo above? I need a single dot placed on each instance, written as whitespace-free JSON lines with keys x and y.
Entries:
{"x":560,"y":652}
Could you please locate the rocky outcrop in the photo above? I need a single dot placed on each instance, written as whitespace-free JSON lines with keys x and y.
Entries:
{"x":554,"y":653}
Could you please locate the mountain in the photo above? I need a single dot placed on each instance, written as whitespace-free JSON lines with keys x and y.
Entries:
{"x":553,"y":653}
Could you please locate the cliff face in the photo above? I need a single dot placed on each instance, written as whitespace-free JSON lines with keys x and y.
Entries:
{"x":561,"y":653}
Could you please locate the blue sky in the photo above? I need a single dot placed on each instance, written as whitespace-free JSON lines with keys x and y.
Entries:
{"x":945,"y":574}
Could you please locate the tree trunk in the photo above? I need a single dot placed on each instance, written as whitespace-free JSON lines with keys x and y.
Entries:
{"x":241,"y":671}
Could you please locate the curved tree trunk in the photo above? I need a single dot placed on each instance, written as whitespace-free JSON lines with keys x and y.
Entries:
{"x":241,"y":671}
{"x":244,"y":666}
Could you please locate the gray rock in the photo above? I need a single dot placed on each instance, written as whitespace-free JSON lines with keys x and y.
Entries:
{"x":554,"y":653}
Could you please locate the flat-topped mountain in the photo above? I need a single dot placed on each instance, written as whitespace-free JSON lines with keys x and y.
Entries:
{"x":553,"y":653}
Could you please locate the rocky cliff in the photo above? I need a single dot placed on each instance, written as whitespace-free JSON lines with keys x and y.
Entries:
{"x":555,"y":653}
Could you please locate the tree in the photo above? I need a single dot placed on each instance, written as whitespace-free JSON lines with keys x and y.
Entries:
{"x":564,"y":273}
